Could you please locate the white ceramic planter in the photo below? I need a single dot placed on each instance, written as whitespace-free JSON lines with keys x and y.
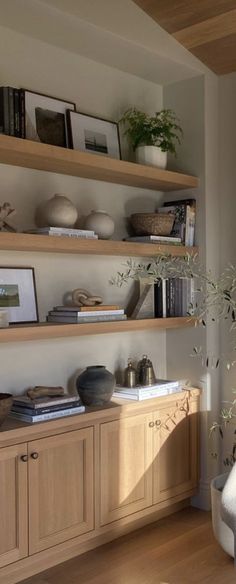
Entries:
{"x":222,"y":532}
{"x":151,"y":156}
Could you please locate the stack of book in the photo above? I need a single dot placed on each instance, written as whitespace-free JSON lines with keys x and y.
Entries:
{"x":12,"y":112}
{"x":63,"y":232}
{"x":185,"y":217}
{"x":45,"y":408}
{"x":139,"y":393}
{"x":82,"y":314}
{"x":160,"y":239}
{"x":174,"y":297}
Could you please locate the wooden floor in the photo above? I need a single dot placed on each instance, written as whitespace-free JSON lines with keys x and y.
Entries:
{"x":177,"y":550}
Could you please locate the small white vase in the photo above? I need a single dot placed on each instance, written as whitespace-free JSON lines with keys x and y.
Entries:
{"x":100,"y":222}
{"x":58,"y":211}
{"x":151,"y":156}
{"x":222,"y":532}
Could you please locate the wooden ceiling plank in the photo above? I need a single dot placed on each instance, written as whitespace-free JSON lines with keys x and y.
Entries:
{"x":219,"y":55}
{"x":174,"y":15}
{"x":210,"y":30}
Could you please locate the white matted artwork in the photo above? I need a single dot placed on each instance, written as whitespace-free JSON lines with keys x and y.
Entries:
{"x":93,"y":135}
{"x":45,"y":119}
{"x":18,"y":294}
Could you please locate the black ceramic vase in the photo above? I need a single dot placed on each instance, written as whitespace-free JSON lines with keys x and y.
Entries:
{"x":95,"y":385}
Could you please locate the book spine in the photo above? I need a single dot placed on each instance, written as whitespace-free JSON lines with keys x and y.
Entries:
{"x":50,"y":416}
{"x":22,"y":114}
{"x":16,"y":113}
{"x":158,"y":305}
{"x":70,"y":320}
{"x":6,"y":121}
{"x":168,"y":297}
{"x":81,"y":315}
{"x":59,"y":402}
{"x":11,"y":111}
{"x":34,"y":412}
{"x":164,"y":299}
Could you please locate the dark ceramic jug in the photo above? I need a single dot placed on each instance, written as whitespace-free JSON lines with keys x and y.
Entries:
{"x":95,"y":385}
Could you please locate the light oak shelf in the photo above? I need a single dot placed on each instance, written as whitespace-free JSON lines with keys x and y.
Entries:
{"x":52,"y":244}
{"x":42,"y":331}
{"x":29,"y":154}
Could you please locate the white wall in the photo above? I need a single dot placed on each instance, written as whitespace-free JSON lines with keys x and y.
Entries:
{"x":227,"y":232}
{"x":99,"y":90}
{"x":196,"y":103}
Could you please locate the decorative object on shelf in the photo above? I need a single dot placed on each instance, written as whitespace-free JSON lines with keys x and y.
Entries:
{"x":58,"y":211}
{"x":18,"y":294}
{"x":152,"y":223}
{"x":130,"y":375}
{"x":100,"y":222}
{"x":45,"y":118}
{"x":4,"y":318}
{"x":5,"y":211}
{"x":45,"y":391}
{"x":94,"y":135}
{"x":95,"y":385}
{"x":152,"y":136}
{"x":146,"y":375}
{"x":184,"y":211}
{"x":141,"y":304}
{"x":81,"y":297}
{"x":6,"y":400}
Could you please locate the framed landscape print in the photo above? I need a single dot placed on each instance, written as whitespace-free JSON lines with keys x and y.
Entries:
{"x":18,"y":294}
{"x":45,"y":118}
{"x":94,"y":135}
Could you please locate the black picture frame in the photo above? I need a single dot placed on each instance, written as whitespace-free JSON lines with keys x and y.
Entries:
{"x":16,"y":287}
{"x":45,"y":118}
{"x":103,"y":137}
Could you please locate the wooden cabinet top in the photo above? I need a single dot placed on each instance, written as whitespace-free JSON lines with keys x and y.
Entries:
{"x":16,"y":432}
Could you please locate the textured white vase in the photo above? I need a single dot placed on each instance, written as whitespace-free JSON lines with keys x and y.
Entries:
{"x":58,"y":211}
{"x":222,"y":532}
{"x":151,"y":156}
{"x":100,"y":222}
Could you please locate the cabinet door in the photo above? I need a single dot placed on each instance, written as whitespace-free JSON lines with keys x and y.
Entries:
{"x":13,"y":504}
{"x":60,"y":488}
{"x":126,"y":475}
{"x":175,"y":457}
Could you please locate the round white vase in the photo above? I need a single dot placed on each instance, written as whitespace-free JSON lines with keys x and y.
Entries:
{"x":100,"y":222}
{"x":151,"y":156}
{"x":58,"y":211}
{"x":222,"y":532}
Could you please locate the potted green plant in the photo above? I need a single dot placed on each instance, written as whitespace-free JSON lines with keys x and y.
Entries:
{"x":151,"y":137}
{"x":215,"y":300}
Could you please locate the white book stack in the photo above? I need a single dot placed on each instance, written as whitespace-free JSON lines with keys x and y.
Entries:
{"x":139,"y":393}
{"x":76,"y":315}
{"x":63,"y":232}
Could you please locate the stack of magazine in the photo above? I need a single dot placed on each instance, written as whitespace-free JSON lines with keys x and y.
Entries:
{"x":82,"y":314}
{"x":64,"y":232}
{"x":139,"y":393}
{"x":45,"y":408}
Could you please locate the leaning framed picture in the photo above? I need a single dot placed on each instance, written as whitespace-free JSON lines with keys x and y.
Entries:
{"x":94,"y":135}
{"x":18,"y":294}
{"x":45,"y":118}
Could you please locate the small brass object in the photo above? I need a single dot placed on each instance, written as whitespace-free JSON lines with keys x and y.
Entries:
{"x":146,"y":374}
{"x":130,"y":376}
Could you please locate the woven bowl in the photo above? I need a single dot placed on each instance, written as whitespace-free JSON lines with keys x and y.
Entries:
{"x":5,"y":405}
{"x":152,"y":223}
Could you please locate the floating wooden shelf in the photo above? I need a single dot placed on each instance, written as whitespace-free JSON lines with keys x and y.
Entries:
{"x":48,"y":243}
{"x":28,"y":154}
{"x":41,"y":331}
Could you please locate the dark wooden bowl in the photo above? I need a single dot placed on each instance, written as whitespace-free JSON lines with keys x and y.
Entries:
{"x":5,"y":405}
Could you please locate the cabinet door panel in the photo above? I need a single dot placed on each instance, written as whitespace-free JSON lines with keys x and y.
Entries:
{"x":175,"y":463}
{"x":126,"y":474}
{"x":60,"y":488}
{"x":13,"y":504}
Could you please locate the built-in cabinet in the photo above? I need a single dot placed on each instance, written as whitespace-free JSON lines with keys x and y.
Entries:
{"x":61,"y":482}
{"x":70,"y":483}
